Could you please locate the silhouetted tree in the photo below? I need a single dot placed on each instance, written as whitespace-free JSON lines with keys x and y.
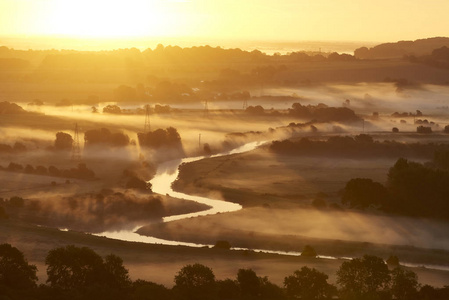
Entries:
{"x":404,"y":284}
{"x":363,"y":278}
{"x":15,"y":272}
{"x":195,"y":282}
{"x":63,"y":141}
{"x":222,"y":245}
{"x":72,"y":267}
{"x":160,"y":137}
{"x":309,"y":284}
{"x":308,"y":251}
{"x":249,"y":283}
{"x":146,"y":290}
{"x":446,"y":129}
{"x":393,"y":260}
{"x":424,"y":129}
{"x":269,"y":290}
{"x":418,"y":190}
{"x":228,"y":289}
{"x":255,"y":110}
{"x":116,"y":274}
{"x":137,"y":183}
{"x":364,"y":192}
{"x":104,"y":137}
{"x":112,"y":109}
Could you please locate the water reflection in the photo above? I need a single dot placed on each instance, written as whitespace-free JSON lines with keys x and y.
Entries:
{"x":161,"y":183}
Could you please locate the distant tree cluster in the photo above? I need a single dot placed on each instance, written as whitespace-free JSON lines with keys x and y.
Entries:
{"x":255,"y":110}
{"x":424,"y":129}
{"x":160,"y":138}
{"x":405,"y":114}
{"x":80,"y":172}
{"x":135,"y":182}
{"x":439,"y":58}
{"x":104,"y":137}
{"x":92,"y":212}
{"x":7,"y":108}
{"x":323,"y":113}
{"x":412,"y":189}
{"x":63,"y":141}
{"x":402,"y":48}
{"x":16,"y":148}
{"x":80,"y":273}
{"x":361,"y":145}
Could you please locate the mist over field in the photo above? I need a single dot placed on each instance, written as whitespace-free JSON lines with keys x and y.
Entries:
{"x":311,"y":158}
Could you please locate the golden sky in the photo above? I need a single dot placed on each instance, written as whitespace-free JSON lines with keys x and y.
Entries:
{"x":282,"y":20}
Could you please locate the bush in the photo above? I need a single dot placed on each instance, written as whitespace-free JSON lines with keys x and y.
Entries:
{"x":424,"y":129}
{"x":308,"y":251}
{"x":222,"y":245}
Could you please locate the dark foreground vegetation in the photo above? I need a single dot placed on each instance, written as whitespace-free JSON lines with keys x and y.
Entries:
{"x":80,"y":273}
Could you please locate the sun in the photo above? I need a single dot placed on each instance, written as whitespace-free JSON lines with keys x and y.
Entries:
{"x":111,"y":18}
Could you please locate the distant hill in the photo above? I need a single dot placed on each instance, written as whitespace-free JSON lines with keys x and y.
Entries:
{"x":399,"y":49}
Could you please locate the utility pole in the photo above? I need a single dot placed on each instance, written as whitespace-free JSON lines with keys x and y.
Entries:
{"x":147,"y":125}
{"x":76,"y":151}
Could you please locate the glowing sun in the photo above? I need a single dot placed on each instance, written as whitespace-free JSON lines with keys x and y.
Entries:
{"x":111,"y":18}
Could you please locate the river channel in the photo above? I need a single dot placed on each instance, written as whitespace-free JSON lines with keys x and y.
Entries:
{"x":168,"y":172}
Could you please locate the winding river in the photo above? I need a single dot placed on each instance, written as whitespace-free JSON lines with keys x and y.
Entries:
{"x":161,"y":184}
{"x":168,"y":172}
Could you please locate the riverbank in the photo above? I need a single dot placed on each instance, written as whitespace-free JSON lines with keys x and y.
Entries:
{"x":278,"y":214}
{"x":160,"y":263}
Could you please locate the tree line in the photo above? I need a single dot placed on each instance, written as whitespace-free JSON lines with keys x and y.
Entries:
{"x":362,"y":145}
{"x":412,"y":189}
{"x":81,"y":171}
{"x":80,"y":273}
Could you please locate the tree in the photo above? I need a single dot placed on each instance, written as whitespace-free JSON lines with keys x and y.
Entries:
{"x":363,"y":278}
{"x":222,"y":245}
{"x":116,"y":274}
{"x":423,"y":129}
{"x":446,"y":129}
{"x":404,"y":284}
{"x":195,"y":282}
{"x":63,"y":141}
{"x":146,"y":290}
{"x":249,"y":283}
{"x":15,"y":272}
{"x":228,"y":289}
{"x":112,"y":109}
{"x":308,"y":284}
{"x":364,"y":192}
{"x":74,"y":268}
{"x":308,"y":251}
{"x":269,"y":290}
{"x":393,"y":260}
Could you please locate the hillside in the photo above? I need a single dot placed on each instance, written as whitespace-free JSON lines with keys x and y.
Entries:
{"x":401,"y":48}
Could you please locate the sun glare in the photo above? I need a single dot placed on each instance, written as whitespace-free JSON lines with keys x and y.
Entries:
{"x":108,"y":19}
